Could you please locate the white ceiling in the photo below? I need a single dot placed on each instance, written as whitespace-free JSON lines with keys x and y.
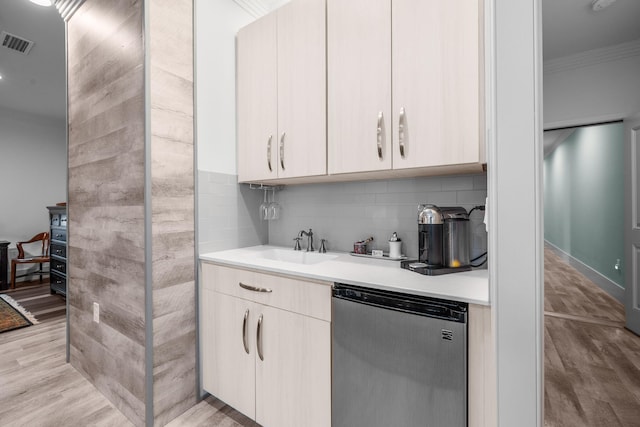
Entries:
{"x":571,"y":26}
{"x":35,"y":83}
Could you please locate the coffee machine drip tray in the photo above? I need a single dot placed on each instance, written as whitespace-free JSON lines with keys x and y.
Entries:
{"x":422,"y":268}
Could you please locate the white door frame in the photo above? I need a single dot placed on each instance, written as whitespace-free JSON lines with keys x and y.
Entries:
{"x":631,"y":223}
{"x":514,"y":123}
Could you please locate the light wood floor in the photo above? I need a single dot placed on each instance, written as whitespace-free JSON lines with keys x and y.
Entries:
{"x":38,"y":388}
{"x":592,"y":367}
{"x":591,"y":362}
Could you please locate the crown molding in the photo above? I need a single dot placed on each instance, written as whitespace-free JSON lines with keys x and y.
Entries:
{"x":67,"y":8}
{"x":255,"y":8}
{"x":593,"y":57}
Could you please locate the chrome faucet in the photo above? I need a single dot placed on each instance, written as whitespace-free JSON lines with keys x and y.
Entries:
{"x":309,"y":235}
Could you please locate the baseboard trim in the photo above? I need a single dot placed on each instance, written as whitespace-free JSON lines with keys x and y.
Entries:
{"x":604,"y":283}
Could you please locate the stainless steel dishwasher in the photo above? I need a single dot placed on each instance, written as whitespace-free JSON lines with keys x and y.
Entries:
{"x":397,"y":360}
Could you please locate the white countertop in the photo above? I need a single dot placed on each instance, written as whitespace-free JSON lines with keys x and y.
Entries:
{"x":471,"y":286}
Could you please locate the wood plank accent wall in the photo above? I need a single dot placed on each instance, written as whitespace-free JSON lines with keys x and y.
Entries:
{"x":106,"y":200}
{"x":172,"y":187}
{"x":107,"y":174}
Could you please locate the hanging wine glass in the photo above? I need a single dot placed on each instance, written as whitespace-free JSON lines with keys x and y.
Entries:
{"x":264,"y":207}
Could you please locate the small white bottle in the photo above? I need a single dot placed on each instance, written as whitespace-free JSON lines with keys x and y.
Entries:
{"x":395,"y":246}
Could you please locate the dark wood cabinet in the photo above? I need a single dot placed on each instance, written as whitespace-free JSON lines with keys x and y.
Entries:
{"x":58,"y":249}
{"x":4,"y":265}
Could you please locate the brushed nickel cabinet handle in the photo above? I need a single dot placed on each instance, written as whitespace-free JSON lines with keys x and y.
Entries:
{"x":253,"y":288}
{"x":379,"y":134}
{"x":282,"y":150}
{"x":245,"y":338}
{"x":259,"y":338}
{"x":269,"y":153}
{"x":401,"y":125}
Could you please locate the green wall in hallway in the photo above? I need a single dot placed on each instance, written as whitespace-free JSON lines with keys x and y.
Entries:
{"x":584,"y":198}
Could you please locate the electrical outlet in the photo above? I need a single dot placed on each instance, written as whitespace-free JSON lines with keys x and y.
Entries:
{"x":617,"y":266}
{"x":96,"y":312}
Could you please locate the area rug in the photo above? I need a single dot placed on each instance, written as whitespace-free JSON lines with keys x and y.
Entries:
{"x":13,"y":315}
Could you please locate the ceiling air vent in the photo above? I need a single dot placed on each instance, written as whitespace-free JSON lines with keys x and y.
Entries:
{"x":13,"y":42}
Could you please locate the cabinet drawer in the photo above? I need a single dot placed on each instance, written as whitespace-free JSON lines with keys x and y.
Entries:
{"x":299,"y":296}
{"x":59,"y":234}
{"x":58,"y":283}
{"x":58,"y":250}
{"x":58,"y":266}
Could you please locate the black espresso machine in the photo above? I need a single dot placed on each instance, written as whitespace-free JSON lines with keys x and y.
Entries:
{"x":443,"y":241}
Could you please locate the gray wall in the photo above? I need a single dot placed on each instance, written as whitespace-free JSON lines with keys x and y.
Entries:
{"x":33,"y":172}
{"x":228,"y":213}
{"x":343,"y":213}
{"x":584,"y":198}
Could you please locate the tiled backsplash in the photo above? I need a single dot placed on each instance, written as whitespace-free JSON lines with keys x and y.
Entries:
{"x":228,"y":214}
{"x":343,"y":213}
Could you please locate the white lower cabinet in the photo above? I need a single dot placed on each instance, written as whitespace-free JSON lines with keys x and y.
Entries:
{"x":228,"y":371}
{"x":267,"y":352}
{"x":293,"y":382}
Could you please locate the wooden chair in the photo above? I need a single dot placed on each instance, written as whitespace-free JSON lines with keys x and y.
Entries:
{"x":39,"y":259}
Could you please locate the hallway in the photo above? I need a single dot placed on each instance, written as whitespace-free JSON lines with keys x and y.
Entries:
{"x":591,"y":362}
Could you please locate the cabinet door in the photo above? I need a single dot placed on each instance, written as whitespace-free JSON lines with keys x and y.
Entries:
{"x":302,"y":138}
{"x":257,"y":100}
{"x":293,"y":380}
{"x":436,"y":82}
{"x":359,"y":85}
{"x":228,"y":367}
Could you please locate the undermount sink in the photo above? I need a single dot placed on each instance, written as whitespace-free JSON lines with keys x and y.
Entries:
{"x":295,"y":257}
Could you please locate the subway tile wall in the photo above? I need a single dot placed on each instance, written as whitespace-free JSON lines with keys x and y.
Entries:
{"x":343,"y":213}
{"x":228,"y":214}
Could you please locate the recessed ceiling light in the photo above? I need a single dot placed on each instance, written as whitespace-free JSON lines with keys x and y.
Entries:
{"x":595,"y":4}
{"x":43,"y":2}
{"x":0,"y":76}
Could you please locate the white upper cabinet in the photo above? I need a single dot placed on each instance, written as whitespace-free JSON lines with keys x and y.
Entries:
{"x":361,"y":89}
{"x":257,"y":100}
{"x":302,"y":134}
{"x":419,"y":58}
{"x":436,"y":83}
{"x":281,"y":91}
{"x":359,"y":85}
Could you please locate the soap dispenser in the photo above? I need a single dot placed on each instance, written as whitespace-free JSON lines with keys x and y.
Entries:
{"x":395,"y":246}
